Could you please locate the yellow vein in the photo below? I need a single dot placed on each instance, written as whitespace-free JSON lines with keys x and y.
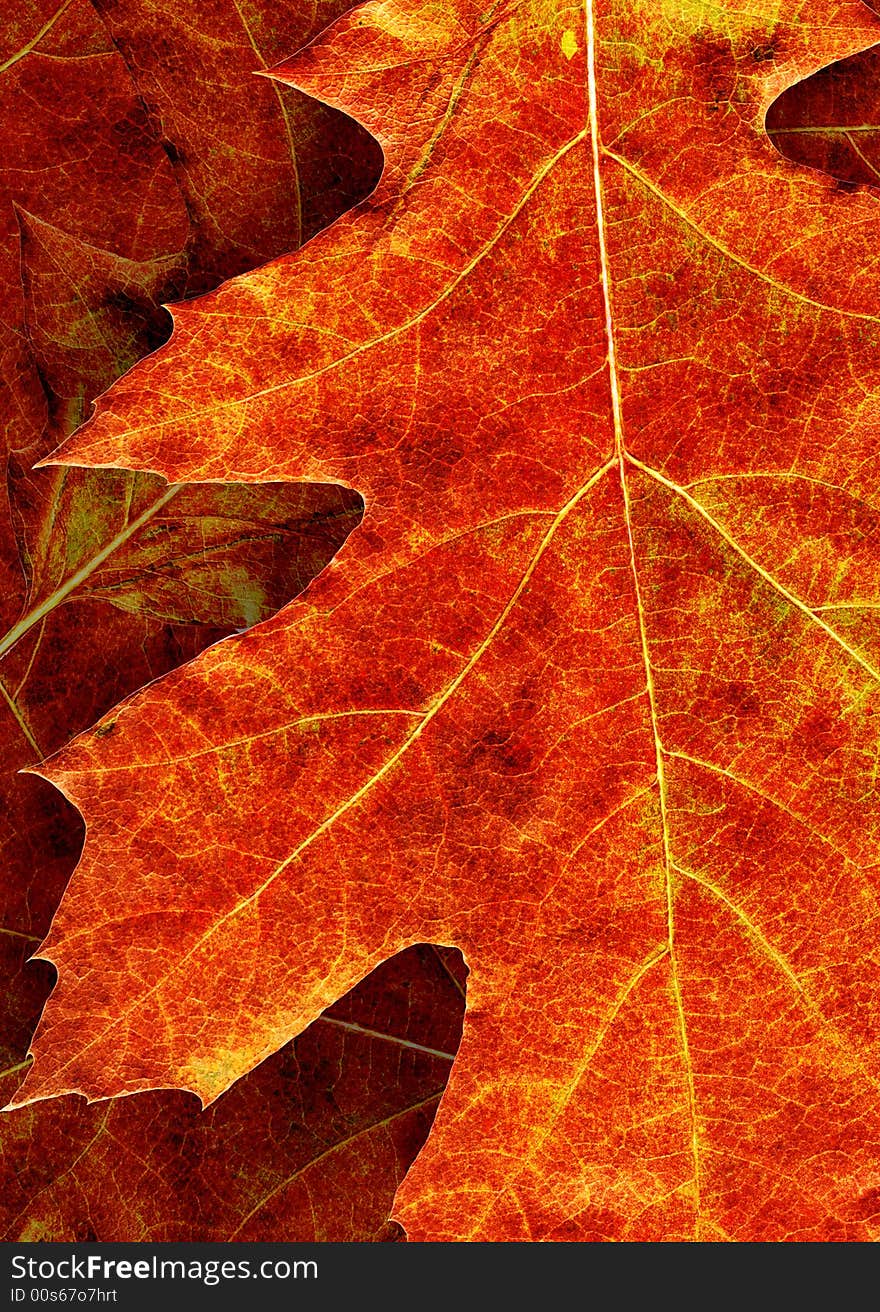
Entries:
{"x":370,"y":783}
{"x":828,"y":129}
{"x":32,"y":44}
{"x":667,"y":857}
{"x":848,"y":605}
{"x":211,"y":749}
{"x":631,"y":985}
{"x":600,"y":824}
{"x":779,"y":961}
{"x":440,"y":702}
{"x":73,"y":59}
{"x":19,"y":1066}
{"x":772,"y":953}
{"x":70,"y":585}
{"x":643,"y":637}
{"x":386,"y":1038}
{"x":581,"y":1069}
{"x":392,"y":333}
{"x":741,"y":475}
{"x":753,"y":564}
{"x":766,"y":797}
{"x":398,"y":566}
{"x":214,"y":749}
{"x":595,"y":147}
{"x":18,"y":933}
{"x":726,"y":251}
{"x":479,"y":43}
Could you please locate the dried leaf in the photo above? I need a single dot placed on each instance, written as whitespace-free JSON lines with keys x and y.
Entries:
{"x":260,"y":166}
{"x":310,"y":1147}
{"x":830,"y":120}
{"x":116,"y":578}
{"x":569,"y":699}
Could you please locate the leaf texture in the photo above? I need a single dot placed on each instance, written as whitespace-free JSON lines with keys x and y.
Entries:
{"x":591,"y":694}
{"x":311,"y":1146}
{"x":260,"y":167}
{"x":115,"y":578}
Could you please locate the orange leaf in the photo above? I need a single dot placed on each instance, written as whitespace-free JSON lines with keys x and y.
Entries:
{"x":114,"y":578}
{"x":591,"y":694}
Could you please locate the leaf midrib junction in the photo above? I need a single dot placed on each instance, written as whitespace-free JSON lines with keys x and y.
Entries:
{"x":412,"y":321}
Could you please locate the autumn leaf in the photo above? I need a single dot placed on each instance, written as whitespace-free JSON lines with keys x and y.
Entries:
{"x":592,"y":692}
{"x":310,"y":1146}
{"x":75,"y":314}
{"x":115,"y":578}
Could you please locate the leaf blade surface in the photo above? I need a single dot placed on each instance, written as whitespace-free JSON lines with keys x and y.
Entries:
{"x":561,"y":692}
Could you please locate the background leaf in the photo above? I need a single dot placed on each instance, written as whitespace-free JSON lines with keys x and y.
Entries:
{"x":831,"y":120}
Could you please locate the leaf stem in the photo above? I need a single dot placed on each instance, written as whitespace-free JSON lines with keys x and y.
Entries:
{"x":27,"y":622}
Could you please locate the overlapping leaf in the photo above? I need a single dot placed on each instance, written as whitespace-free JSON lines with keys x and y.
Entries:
{"x":260,"y":167}
{"x":114,"y":579}
{"x":590,"y":694}
{"x":311,"y":1146}
{"x":830,"y":121}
